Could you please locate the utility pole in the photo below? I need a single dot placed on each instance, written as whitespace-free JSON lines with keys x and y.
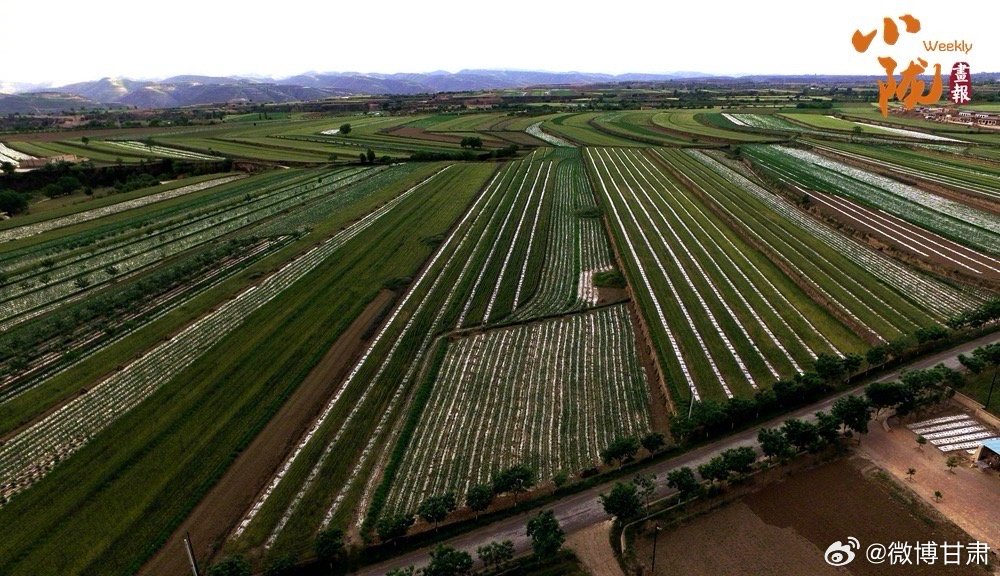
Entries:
{"x":989,"y":396}
{"x":656,"y":533}
{"x":190,"y":554}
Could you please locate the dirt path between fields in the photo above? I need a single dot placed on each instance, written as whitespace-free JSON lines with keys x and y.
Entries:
{"x":218,"y":512}
{"x":592,"y":547}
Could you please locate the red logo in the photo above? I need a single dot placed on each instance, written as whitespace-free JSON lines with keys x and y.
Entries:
{"x":960,"y":87}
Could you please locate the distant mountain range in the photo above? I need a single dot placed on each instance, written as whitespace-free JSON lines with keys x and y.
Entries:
{"x":191,"y":90}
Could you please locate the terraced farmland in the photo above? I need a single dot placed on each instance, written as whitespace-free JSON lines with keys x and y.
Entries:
{"x":689,"y":122}
{"x":329,"y":342}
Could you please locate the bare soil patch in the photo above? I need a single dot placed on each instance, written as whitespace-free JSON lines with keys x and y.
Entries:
{"x":785,"y":528}
{"x":218,"y":512}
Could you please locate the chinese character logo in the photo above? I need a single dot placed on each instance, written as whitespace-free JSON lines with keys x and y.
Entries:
{"x":841,"y":554}
{"x":909,"y":89}
{"x":960,"y":87}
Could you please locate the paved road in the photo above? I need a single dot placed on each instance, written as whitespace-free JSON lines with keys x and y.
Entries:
{"x":581,"y":510}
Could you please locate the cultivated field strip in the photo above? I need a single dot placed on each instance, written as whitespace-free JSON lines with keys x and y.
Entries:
{"x":302,"y":468}
{"x":163,"y":151}
{"x":684,"y":238}
{"x":932,"y":296}
{"x":677,"y":274}
{"x":46,"y":225}
{"x":12,"y":156}
{"x":908,"y":163}
{"x":32,"y":291}
{"x":678,"y":360}
{"x":913,"y":238}
{"x":550,"y":394}
{"x":32,"y":453}
{"x":83,"y":346}
{"x":574,"y":243}
{"x":731,"y":275}
{"x":506,"y":233}
{"x":799,"y":251}
{"x":809,"y":171}
{"x":536,"y":131}
{"x":709,"y":271}
{"x":24,"y":257}
{"x":532,"y":201}
{"x":907,"y":133}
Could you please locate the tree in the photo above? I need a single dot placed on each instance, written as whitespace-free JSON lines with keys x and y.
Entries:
{"x":852,"y":362}
{"x":885,"y":395}
{"x":714,"y":470}
{"x":362,"y":157}
{"x":436,"y":508}
{"x":231,"y":566}
{"x":344,"y":129}
{"x":621,"y":449}
{"x":447,"y":561}
{"x":496,"y":554}
{"x":7,"y":167}
{"x":801,"y":434}
{"x":85,"y":140}
{"x":546,"y":535}
{"x":472,"y":142}
{"x":479,"y":497}
{"x":909,"y":473}
{"x":938,"y":495}
{"x":646,"y":485}
{"x":652,"y":441}
{"x":12,"y":202}
{"x":854,"y":412}
{"x":683,"y":480}
{"x":394,"y":526}
{"x":827,"y":426}
{"x":370,"y":155}
{"x":921,"y":441}
{"x":739,"y":460}
{"x":281,"y":566}
{"x":952,"y":463}
{"x":515,"y":480}
{"x":876,"y":356}
{"x":773,"y":443}
{"x":930,"y":334}
{"x":560,"y":478}
{"x":830,"y":368}
{"x":330,"y":546}
{"x":408,"y":571}
{"x":622,"y":502}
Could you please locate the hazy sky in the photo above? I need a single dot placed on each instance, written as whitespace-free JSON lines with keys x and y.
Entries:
{"x":57,"y":41}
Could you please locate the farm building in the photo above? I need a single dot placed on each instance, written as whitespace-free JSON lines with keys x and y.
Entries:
{"x":988,"y":454}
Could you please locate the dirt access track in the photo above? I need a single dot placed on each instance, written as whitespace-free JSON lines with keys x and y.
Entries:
{"x":218,"y":512}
